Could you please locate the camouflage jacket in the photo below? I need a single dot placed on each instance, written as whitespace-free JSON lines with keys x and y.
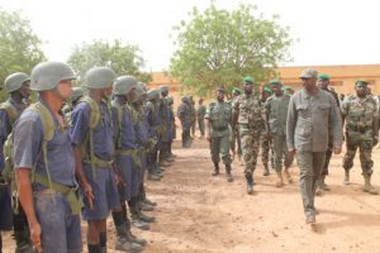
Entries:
{"x":360,"y":114}
{"x":249,"y":112}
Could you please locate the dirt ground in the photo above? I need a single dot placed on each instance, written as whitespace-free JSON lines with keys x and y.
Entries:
{"x":200,"y":213}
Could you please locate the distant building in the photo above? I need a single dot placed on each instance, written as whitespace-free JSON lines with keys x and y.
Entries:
{"x":342,"y":77}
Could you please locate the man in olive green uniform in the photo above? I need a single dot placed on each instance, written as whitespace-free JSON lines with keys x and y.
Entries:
{"x":247,"y":112}
{"x":201,"y":111}
{"x":361,"y":118}
{"x":276,"y":110}
{"x":218,"y":116}
{"x":235,"y":139}
{"x":193,"y":115}
{"x":184,"y":115}
{"x":311,"y":111}
{"x":265,"y":139}
{"x":323,"y":83}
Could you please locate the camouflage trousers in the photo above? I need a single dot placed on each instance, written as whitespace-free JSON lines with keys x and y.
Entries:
{"x":201,"y":125}
{"x":310,"y":164}
{"x":250,"y":141}
{"x":235,"y":139}
{"x":328,"y":155}
{"x":220,"y":145}
{"x":365,"y":151}
{"x":266,"y":146}
{"x":280,"y":152}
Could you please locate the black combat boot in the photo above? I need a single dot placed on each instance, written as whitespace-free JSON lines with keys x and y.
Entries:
{"x":249,"y":184}
{"x":215,"y":172}
{"x":21,"y":233}
{"x":266,"y":170}
{"x":228,"y":173}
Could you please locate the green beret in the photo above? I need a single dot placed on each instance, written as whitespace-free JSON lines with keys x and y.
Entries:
{"x":248,"y":79}
{"x":237,"y":90}
{"x":324,"y":77}
{"x":275,"y":82}
{"x":268,"y":90}
{"x":361,"y":81}
{"x":284,"y":88}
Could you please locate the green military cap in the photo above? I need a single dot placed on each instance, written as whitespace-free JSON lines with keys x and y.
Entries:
{"x":324,"y":77}
{"x":237,"y":90}
{"x":361,"y":81}
{"x":220,"y":89}
{"x":284,"y":88}
{"x":248,"y":79}
{"x":275,"y":82}
{"x":268,"y":90}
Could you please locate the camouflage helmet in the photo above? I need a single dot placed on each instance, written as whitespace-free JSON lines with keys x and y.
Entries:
{"x":143,"y":86}
{"x":99,"y":78}
{"x":124,"y":84}
{"x":76,"y":93}
{"x":14,"y":81}
{"x":47,"y":75}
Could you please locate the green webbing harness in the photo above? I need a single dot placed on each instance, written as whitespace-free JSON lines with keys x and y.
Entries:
{"x":11,"y":111}
{"x":134,"y":153}
{"x":71,"y":194}
{"x":95,"y":116}
{"x":49,"y":129}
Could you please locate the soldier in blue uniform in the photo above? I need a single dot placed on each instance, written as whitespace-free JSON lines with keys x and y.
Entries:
{"x":42,"y":152}
{"x":126,"y":160}
{"x":17,"y":85}
{"x":92,"y":139}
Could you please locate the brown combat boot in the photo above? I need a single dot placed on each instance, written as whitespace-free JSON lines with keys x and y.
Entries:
{"x":280,"y":180}
{"x":228,"y":173}
{"x":368,"y":186}
{"x":288,"y":176}
{"x":215,"y":172}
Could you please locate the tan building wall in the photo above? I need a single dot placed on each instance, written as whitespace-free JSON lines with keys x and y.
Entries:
{"x":343,"y":77}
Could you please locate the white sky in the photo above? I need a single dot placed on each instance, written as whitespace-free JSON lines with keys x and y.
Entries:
{"x":330,"y":32}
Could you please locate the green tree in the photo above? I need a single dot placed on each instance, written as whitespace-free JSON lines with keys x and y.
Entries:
{"x":19,"y":46}
{"x":218,"y":48}
{"x":124,"y":59}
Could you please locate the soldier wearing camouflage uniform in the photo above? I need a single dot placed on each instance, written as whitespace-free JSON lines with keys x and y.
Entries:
{"x":201,"y":111}
{"x":361,"y":118}
{"x":184,"y":115}
{"x":265,"y":139}
{"x":193,"y":115}
{"x":235,"y":139}
{"x":218,"y":116}
{"x":247,"y":113}
{"x":323,"y":83}
{"x":276,"y":110}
